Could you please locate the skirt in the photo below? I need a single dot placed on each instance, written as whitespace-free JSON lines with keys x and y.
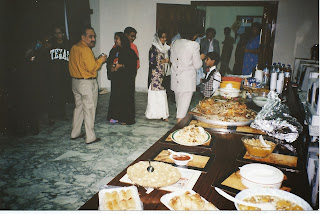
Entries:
{"x":157,"y":107}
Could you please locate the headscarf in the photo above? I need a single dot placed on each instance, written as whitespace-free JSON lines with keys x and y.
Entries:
{"x":163,"y":48}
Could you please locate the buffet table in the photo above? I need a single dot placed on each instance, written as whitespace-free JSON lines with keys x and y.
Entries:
{"x":225,"y":154}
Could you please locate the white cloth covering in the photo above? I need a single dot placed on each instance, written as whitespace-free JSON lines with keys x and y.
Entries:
{"x":157,"y":107}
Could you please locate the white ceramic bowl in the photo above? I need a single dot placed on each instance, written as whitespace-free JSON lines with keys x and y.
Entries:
{"x":260,"y":100}
{"x":229,"y":93}
{"x":181,"y":162}
{"x":247,"y":193}
{"x":256,"y":175}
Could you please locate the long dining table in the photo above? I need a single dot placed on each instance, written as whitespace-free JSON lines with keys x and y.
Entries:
{"x":225,"y":151}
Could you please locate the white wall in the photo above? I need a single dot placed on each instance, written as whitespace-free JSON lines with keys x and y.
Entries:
{"x":297,"y":29}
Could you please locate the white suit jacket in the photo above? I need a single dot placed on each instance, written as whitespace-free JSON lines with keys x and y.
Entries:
{"x":185,"y":59}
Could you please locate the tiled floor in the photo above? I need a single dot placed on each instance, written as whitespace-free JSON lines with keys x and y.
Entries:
{"x":49,"y":171}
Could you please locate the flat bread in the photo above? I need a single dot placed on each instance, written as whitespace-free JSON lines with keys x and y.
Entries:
{"x":163,"y":174}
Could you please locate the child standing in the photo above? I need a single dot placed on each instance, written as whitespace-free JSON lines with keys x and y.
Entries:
{"x":212,"y":79}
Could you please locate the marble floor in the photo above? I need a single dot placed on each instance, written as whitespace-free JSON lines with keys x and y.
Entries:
{"x":49,"y":171}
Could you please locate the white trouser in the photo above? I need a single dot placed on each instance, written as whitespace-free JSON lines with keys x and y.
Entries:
{"x":183,"y":100}
{"x":85,"y":93}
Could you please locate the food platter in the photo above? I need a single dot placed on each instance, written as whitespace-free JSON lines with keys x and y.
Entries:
{"x":165,"y":199}
{"x":176,"y":138}
{"x":224,"y":112}
{"x":120,"y":198}
{"x":205,"y":119}
{"x":163,"y":174}
{"x":247,"y":193}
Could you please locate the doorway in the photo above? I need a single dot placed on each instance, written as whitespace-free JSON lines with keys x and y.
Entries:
{"x":198,"y":14}
{"x":170,"y":16}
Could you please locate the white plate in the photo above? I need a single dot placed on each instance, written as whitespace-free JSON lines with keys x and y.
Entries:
{"x":197,"y":144}
{"x":167,"y":197}
{"x":247,"y":193}
{"x":221,"y":123}
{"x":102,"y":199}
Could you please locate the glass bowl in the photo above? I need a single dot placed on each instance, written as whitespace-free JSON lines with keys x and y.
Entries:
{"x":256,"y":149}
{"x":260,"y":98}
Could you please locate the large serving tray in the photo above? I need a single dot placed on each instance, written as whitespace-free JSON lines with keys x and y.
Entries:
{"x":220,"y":123}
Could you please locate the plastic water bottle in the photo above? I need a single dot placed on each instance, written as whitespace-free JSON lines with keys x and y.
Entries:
{"x":287,"y":77}
{"x":273,"y":78}
{"x":266,"y":75}
{"x":280,"y":80}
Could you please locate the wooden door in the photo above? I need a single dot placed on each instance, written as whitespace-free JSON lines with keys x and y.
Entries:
{"x":78,"y":15}
{"x":170,"y":16}
{"x":268,"y":34}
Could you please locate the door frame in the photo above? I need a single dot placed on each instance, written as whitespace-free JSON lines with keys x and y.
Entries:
{"x":269,"y":20}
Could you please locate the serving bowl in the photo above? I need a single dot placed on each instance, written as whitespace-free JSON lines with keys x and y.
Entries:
{"x":235,"y":79}
{"x":234,"y":84}
{"x":260,"y":100}
{"x":181,"y":158}
{"x":229,"y":91}
{"x":258,"y":175}
{"x":255,"y":148}
{"x":286,"y":196}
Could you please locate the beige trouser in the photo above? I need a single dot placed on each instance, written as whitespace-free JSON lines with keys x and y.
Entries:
{"x":183,"y":100}
{"x":85,"y":93}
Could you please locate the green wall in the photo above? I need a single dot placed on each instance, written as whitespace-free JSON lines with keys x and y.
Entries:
{"x":219,"y":17}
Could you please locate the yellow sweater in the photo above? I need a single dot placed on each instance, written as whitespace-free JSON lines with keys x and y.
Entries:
{"x":82,"y":63}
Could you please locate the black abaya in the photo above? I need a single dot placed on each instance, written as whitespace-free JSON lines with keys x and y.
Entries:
{"x":122,"y":105}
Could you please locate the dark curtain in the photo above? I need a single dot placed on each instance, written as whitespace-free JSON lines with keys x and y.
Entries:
{"x":25,"y":22}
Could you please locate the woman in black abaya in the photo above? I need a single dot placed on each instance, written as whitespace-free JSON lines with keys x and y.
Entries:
{"x":122,"y":70}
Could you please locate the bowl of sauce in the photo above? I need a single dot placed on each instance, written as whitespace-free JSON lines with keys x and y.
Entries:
{"x":181,"y":158}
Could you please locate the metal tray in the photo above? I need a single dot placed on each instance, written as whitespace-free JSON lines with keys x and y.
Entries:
{"x":221,"y":123}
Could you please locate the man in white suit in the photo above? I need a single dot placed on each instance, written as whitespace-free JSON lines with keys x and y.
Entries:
{"x":185,"y":59}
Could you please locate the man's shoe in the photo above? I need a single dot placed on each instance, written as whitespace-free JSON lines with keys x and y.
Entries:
{"x":80,"y":136}
{"x":104,"y":91}
{"x":95,"y":141}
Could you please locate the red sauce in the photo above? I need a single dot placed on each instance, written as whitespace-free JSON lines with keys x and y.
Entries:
{"x":181,"y":157}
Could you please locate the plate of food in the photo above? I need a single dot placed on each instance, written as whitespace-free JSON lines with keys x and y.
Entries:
{"x":281,"y":200}
{"x":191,"y":136}
{"x":163,"y":174}
{"x":223,"y":112}
{"x":186,"y":200}
{"x":120,"y":198}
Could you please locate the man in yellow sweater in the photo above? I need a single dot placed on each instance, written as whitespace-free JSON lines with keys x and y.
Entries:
{"x":83,"y":69}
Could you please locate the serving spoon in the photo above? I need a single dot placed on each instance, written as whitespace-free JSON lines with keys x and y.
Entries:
{"x":173,"y":152}
{"x":150,"y":168}
{"x":263,"y":142}
{"x":262,"y":206}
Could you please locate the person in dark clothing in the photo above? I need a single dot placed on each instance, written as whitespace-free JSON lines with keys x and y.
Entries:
{"x":28,"y":98}
{"x":122,"y":70}
{"x":59,"y":80}
{"x":226,"y":52}
{"x":239,"y":53}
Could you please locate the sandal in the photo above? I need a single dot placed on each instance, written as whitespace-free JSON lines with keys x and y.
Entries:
{"x":113,"y":121}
